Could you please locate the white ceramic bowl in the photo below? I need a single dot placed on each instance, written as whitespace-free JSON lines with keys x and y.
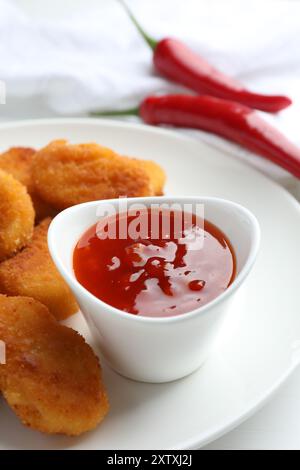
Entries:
{"x":155,"y":349}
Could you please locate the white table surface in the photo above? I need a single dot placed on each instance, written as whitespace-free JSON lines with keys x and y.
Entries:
{"x":277,"y":425}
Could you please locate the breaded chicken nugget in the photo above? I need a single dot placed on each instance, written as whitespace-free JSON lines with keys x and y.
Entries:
{"x":17,"y":162}
{"x":16,"y":215}
{"x":65,"y":174}
{"x":32,"y":273}
{"x":51,"y":378}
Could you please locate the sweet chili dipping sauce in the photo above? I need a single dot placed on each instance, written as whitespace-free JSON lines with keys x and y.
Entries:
{"x":161,"y":274}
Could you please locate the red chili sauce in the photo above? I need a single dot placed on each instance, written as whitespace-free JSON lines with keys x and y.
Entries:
{"x":158,"y":276}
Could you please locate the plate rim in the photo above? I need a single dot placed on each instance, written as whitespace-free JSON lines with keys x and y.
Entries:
{"x":198,"y":443}
{"x":200,"y":440}
{"x":139,"y":126}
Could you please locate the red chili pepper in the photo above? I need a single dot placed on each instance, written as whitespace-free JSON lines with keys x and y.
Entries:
{"x":176,"y":61}
{"x":228,"y":119}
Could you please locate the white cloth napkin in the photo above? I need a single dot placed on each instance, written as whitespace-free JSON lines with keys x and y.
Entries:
{"x":91,"y":57}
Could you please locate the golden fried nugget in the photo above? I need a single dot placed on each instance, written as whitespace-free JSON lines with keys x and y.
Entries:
{"x":17,"y":162}
{"x":65,"y":174}
{"x":16,"y":215}
{"x":51,"y":378}
{"x":32,"y":273}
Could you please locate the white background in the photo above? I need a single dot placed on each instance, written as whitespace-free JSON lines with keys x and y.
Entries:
{"x":277,"y":425}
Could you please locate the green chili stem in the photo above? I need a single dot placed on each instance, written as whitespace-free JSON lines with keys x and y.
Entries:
{"x":124,"y":112}
{"x":149,"y":40}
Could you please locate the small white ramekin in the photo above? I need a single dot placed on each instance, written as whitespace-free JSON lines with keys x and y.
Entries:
{"x":155,"y":349}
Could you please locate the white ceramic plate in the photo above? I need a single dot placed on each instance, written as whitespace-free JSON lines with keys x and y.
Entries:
{"x":260,"y":344}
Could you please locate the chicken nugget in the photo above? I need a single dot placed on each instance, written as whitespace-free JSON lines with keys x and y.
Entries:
{"x":16,"y":215}
{"x":51,"y":378}
{"x":17,"y":162}
{"x":32,"y":273}
{"x":65,"y":174}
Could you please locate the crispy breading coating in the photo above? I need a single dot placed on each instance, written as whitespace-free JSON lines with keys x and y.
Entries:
{"x":16,"y":215}
{"x":32,"y":273}
{"x":17,"y":162}
{"x":65,"y":174}
{"x":51,"y":378}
